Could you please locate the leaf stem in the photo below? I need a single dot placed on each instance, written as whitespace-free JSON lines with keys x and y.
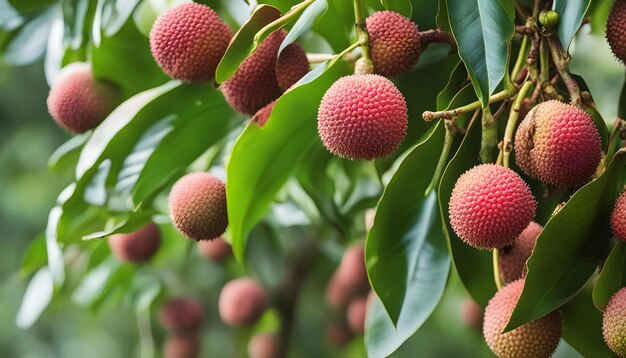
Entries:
{"x":489,"y":136}
{"x":453,"y":113}
{"x":496,"y":269}
{"x":451,"y":131}
{"x":561,"y":60}
{"x":521,"y":56}
{"x":507,"y":145}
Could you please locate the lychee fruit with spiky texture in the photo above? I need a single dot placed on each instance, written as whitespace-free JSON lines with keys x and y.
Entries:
{"x":512,"y":259}
{"x":618,"y":218}
{"x":216,"y":250}
{"x":265,"y":345}
{"x":242,"y":302}
{"x":558,"y":144}
{"x":197,"y":206}
{"x":182,"y":315}
{"x":356,"y":314}
{"x":188,"y":41}
{"x":262,"y":78}
{"x":490,"y":206}
{"x":538,"y":338}
{"x":616,"y":30}
{"x":77,"y":101}
{"x":137,"y":246}
{"x":182,"y":346}
{"x":472,"y":314}
{"x":394,"y":42}
{"x":362,"y":117}
{"x":614,"y":323}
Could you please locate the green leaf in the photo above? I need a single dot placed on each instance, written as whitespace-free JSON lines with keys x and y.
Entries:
{"x":304,"y":22}
{"x":403,"y":7}
{"x":571,"y":15}
{"x":35,"y":256}
{"x":37,"y":297}
{"x":566,"y":250}
{"x":94,"y":283}
{"x":29,"y":42}
{"x":263,"y":158}
{"x":115,"y":13}
{"x":483,"y":32}
{"x":622,"y":103}
{"x":613,"y":276}
{"x":443,"y":22}
{"x":68,"y":149}
{"x":242,"y":44}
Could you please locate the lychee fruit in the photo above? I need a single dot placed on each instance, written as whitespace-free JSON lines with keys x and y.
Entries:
{"x":394,"y":42}
{"x":338,"y":334}
{"x":263,"y":114}
{"x":182,"y":346}
{"x":182,"y":315}
{"x":512,"y":259}
{"x":538,"y":338}
{"x":614,"y":323}
{"x":337,"y":295}
{"x":78,"y":102}
{"x":362,"y":117}
{"x":265,"y":345}
{"x":356,"y":315}
{"x":352,"y":273}
{"x":490,"y":206}
{"x":138,"y":246}
{"x":242,"y":302}
{"x":618,"y":218}
{"x":616,"y":30}
{"x":261,"y":78}
{"x":188,"y":41}
{"x":472,"y":314}
{"x":558,"y":144}
{"x":216,"y":250}
{"x":197,"y":206}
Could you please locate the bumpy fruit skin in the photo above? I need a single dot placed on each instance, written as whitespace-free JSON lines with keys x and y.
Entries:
{"x":216,"y":250}
{"x":265,"y":345}
{"x":537,"y":339}
{"x":356,"y":314}
{"x":616,"y":30}
{"x":362,"y":117}
{"x":182,"y":315}
{"x":263,"y":114}
{"x":472,"y":314}
{"x":558,"y":144}
{"x":182,"y":346}
{"x":138,"y":246}
{"x":349,"y":280}
{"x":490,"y":206}
{"x":78,"y":102}
{"x":188,"y":41}
{"x":242,"y":302}
{"x":614,"y":323}
{"x":394,"y":42}
{"x":512,"y":259}
{"x":261,"y":79}
{"x":618,"y":218}
{"x":197,"y":205}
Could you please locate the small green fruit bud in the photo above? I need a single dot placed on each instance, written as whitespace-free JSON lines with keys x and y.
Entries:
{"x":549,"y":18}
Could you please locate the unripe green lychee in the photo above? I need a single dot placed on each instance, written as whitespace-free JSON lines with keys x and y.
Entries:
{"x":394,"y":42}
{"x":77,"y":101}
{"x":618,"y":218}
{"x":558,"y":144}
{"x":356,"y":314}
{"x":490,"y":206}
{"x":362,"y":117}
{"x":138,"y":246}
{"x":188,"y":41}
{"x":182,"y":315}
{"x":614,"y":323}
{"x":512,"y":259}
{"x":242,"y":302}
{"x":197,"y":205}
{"x":472,"y":314}
{"x":265,"y":345}
{"x":537,"y":339}
{"x":216,"y":250}
{"x":616,"y":30}
{"x":261,"y":78}
{"x":182,"y":346}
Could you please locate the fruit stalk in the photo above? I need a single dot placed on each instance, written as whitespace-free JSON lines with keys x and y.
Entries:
{"x":451,"y":131}
{"x":507,"y":146}
{"x":561,"y":61}
{"x":496,"y":269}
{"x":436,"y":35}
{"x":361,"y":30}
{"x":489,"y":136}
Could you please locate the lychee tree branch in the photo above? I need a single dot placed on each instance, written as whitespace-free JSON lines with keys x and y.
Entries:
{"x":507,"y":145}
{"x":436,"y":36}
{"x":489,"y":136}
{"x":361,"y":30}
{"x":561,"y":60}
{"x":453,"y":113}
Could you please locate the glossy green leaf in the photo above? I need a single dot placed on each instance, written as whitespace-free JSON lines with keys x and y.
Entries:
{"x":483,"y":31}
{"x":29,"y":42}
{"x":443,"y":22}
{"x":304,"y":22}
{"x":263,"y":158}
{"x":115,"y":13}
{"x":613,"y":276}
{"x":68,"y":149}
{"x":571,"y":15}
{"x":622,"y":103}
{"x":37,"y":297}
{"x":566,"y":250}
{"x":93,"y":284}
{"x":403,"y":7}
{"x":35,"y":256}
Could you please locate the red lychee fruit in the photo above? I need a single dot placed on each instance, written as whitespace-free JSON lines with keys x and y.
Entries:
{"x":216,"y":250}
{"x":263,"y":114}
{"x":618,"y":218}
{"x":188,"y":41}
{"x":182,"y":346}
{"x":472,"y":314}
{"x":182,"y":315}
{"x":337,"y":295}
{"x":352,"y":273}
{"x":197,"y":205}
{"x":614,"y":323}
{"x":362,"y":117}
{"x":356,"y":315}
{"x":78,"y":102}
{"x":242,"y":302}
{"x":538,"y":338}
{"x":338,"y":334}
{"x":616,"y":30}
{"x":512,"y":259}
{"x":138,"y":246}
{"x":394,"y":42}
{"x":261,"y":78}
{"x":558,"y":144}
{"x":490,"y":206}
{"x":265,"y":345}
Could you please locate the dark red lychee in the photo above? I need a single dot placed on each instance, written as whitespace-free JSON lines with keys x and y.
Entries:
{"x":182,"y":315}
{"x":138,"y":246}
{"x":618,"y":218}
{"x":512,"y":259}
{"x":242,"y":302}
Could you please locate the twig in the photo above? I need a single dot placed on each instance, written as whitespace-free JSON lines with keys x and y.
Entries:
{"x":489,"y":136}
{"x":561,"y":60}
{"x":507,"y":145}
{"x":451,"y":131}
{"x":361,"y":31}
{"x":453,"y":113}
{"x":437,"y":35}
